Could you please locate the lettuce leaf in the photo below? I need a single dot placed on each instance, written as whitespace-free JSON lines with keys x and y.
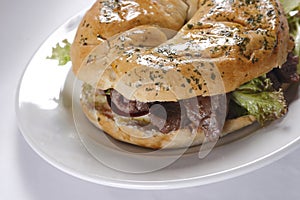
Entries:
{"x":62,"y":54}
{"x":292,"y":10}
{"x":289,"y":5}
{"x":261,"y":100}
{"x":296,"y":35}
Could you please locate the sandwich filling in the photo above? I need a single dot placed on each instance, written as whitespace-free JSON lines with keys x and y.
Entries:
{"x":262,"y":97}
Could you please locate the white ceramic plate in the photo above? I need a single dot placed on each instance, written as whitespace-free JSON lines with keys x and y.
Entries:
{"x":47,"y":117}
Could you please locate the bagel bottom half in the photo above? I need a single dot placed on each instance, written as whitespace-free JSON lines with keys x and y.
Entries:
{"x":154,"y":139}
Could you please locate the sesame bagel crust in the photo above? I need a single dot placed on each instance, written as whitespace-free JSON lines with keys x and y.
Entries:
{"x":225,"y":44}
{"x":107,"y":18}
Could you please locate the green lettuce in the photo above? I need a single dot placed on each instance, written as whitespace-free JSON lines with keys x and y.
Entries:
{"x":290,"y":5}
{"x":259,"y":99}
{"x":292,"y":10}
{"x":62,"y":54}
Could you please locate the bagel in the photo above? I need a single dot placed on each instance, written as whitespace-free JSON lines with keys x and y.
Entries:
{"x":145,"y":52}
{"x":107,"y":18}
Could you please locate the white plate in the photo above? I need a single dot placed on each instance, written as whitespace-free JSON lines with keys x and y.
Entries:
{"x":46,"y":116}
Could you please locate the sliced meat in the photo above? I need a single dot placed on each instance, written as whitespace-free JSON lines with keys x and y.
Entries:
{"x":286,"y":74}
{"x":208,"y":113}
{"x":166,"y":117}
{"x":275,"y":82}
{"x":124,"y":107}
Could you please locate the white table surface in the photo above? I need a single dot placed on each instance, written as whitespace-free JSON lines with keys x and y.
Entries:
{"x":24,"y":175}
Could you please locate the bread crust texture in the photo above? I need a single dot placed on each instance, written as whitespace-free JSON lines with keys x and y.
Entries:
{"x":221,"y":47}
{"x":172,"y":50}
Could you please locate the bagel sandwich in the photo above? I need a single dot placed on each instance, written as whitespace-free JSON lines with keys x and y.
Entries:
{"x":177,"y":73}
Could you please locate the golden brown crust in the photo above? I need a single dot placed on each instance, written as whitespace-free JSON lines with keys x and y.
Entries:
{"x":156,"y":139}
{"x":108,"y":18}
{"x":223,"y":46}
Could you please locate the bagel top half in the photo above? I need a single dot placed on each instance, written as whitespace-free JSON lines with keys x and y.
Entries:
{"x":155,"y":50}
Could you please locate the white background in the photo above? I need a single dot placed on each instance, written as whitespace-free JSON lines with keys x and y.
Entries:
{"x":24,"y":25}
